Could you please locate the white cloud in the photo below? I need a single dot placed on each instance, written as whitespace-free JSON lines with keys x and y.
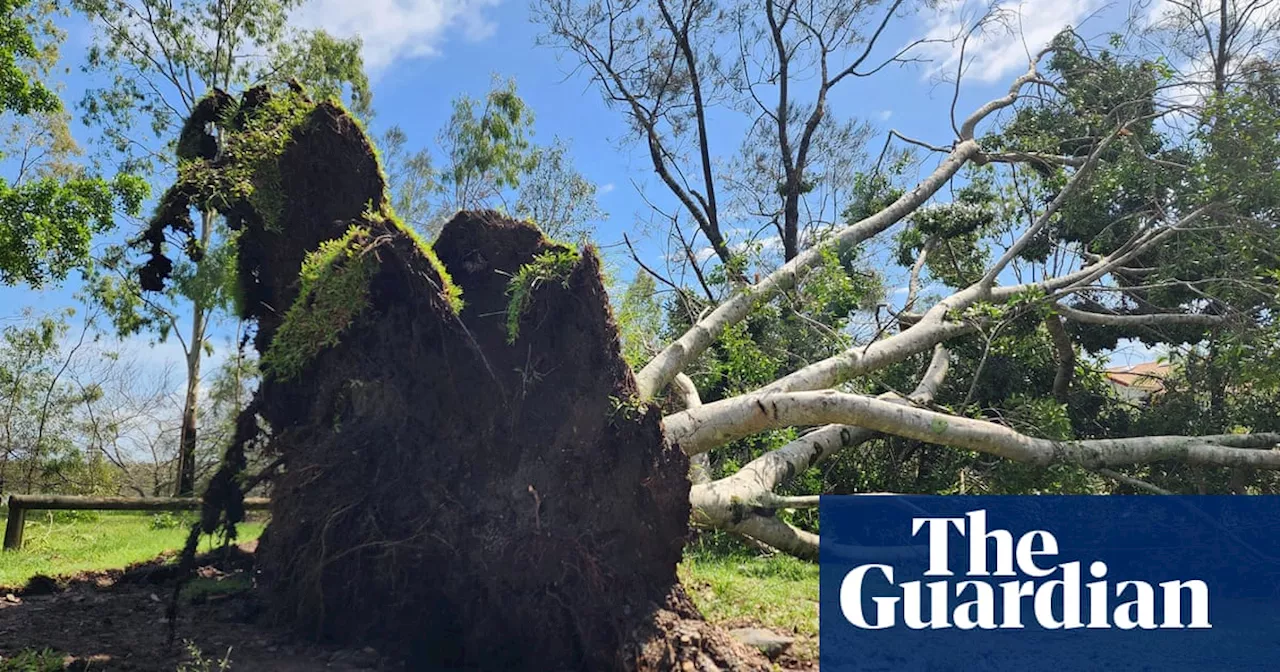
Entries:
{"x":397,"y":29}
{"x":885,"y":114}
{"x":1009,"y":35}
{"x":606,"y":188}
{"x":704,"y":254}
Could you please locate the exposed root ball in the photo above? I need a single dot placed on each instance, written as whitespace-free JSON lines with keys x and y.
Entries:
{"x":468,"y":477}
{"x":447,"y":492}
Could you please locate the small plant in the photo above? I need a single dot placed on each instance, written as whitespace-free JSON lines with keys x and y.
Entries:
{"x":74,"y":516}
{"x":198,"y":663}
{"x":166,"y":520}
{"x":554,"y":265}
{"x":631,"y":408}
{"x":46,"y":660}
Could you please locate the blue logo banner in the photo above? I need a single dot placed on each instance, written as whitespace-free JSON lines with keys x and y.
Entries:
{"x":1159,"y":583}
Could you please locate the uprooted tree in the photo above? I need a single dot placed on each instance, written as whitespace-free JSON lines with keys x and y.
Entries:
{"x":462,"y":451}
{"x":1107,"y":195}
{"x":460,"y":455}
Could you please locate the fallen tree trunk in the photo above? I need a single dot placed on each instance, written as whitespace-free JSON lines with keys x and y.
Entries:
{"x":468,"y":477}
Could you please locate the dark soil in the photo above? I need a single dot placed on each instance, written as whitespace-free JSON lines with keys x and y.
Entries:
{"x":468,"y":502}
{"x":115,"y":620}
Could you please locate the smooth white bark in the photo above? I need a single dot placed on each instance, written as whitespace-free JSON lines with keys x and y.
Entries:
{"x":732,"y":503}
{"x":659,"y":372}
{"x":724,"y":421}
{"x":1156,"y":319}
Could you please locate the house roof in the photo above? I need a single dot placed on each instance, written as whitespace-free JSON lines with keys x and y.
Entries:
{"x":1148,"y":376}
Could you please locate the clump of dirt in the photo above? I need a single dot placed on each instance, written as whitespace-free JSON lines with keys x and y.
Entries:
{"x":465,"y":484}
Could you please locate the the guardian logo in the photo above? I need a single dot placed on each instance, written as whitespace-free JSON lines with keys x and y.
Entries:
{"x":1038,"y":592}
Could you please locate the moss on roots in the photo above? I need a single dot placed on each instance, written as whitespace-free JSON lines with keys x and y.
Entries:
{"x":218,"y":173}
{"x":387,"y":215}
{"x":333,"y":291}
{"x":554,"y":265}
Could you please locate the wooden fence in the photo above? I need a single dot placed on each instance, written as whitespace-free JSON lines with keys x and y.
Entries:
{"x":19,"y":505}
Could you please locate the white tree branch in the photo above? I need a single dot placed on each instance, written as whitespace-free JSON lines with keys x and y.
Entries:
{"x":686,"y":393}
{"x":733,"y":502}
{"x":730,"y":419}
{"x":1113,"y":319}
{"x":659,"y":372}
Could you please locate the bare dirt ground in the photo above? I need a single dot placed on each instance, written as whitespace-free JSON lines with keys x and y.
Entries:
{"x":116,"y":620}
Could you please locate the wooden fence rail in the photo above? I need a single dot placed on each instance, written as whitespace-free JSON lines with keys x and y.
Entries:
{"x":19,"y":505}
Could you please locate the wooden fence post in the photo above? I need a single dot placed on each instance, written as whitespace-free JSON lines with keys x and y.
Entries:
{"x":14,"y":526}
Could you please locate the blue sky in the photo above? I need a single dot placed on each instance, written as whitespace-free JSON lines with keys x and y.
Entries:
{"x":423,"y":53}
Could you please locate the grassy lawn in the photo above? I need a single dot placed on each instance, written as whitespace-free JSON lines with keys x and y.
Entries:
{"x":736,"y":587}
{"x":66,"y":542}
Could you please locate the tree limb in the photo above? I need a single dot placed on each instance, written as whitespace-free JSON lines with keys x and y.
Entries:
{"x":723,"y":421}
{"x":1118,"y":320}
{"x":657,"y":374}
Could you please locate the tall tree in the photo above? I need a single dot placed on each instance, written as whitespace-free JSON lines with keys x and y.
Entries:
{"x":671,"y":66}
{"x":50,"y":208}
{"x":1077,"y":209}
{"x":161,"y":58}
{"x":488,"y":160}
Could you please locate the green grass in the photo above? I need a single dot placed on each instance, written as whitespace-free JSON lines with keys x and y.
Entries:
{"x":62,"y":543}
{"x":33,"y":661}
{"x":737,"y":587}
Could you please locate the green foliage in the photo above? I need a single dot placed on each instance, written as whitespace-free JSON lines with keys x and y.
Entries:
{"x":557,"y":197}
{"x":30,"y":660}
{"x":168,"y":520}
{"x":330,"y":68}
{"x":40,"y":442}
{"x":955,"y":233}
{"x":487,"y":144}
{"x":631,"y":408}
{"x":249,"y":170}
{"x":333,"y":292}
{"x":46,"y":225}
{"x":51,"y":210}
{"x":411,"y":179}
{"x":488,"y":160}
{"x":639,"y":319}
{"x":19,"y":91}
{"x":138,"y":49}
{"x":554,"y":265}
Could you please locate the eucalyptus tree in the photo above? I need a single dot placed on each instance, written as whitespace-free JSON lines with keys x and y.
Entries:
{"x":487,"y":159}
{"x":1085,"y":204}
{"x":677,"y":70}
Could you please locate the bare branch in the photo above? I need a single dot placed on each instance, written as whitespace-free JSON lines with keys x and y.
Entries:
{"x":723,"y":421}
{"x":657,"y":374}
{"x":1117,"y":320}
